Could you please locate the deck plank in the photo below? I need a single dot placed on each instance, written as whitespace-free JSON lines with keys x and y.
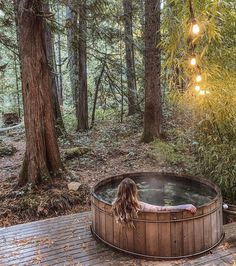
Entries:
{"x":67,"y":240}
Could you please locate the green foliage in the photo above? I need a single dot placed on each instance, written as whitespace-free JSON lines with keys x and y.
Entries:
{"x":216,"y":136}
{"x":209,"y":122}
{"x":208,"y":125}
{"x":218,"y":162}
{"x":168,"y":152}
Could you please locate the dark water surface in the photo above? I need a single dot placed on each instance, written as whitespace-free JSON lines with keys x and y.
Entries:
{"x":163,"y":191}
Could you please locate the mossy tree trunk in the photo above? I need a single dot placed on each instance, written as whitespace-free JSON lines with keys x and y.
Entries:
{"x":42,"y":157}
{"x":153,"y":107}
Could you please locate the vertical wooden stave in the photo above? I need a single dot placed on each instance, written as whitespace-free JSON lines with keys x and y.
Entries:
{"x":93,"y":213}
{"x":164,"y":234}
{"x":152,"y":244}
{"x":214,"y":223}
{"x":116,"y":232}
{"x":127,"y":238}
{"x":198,"y":231}
{"x":207,"y":229}
{"x":140,"y":234}
{"x":188,"y":233}
{"x":221,"y":218}
{"x":109,"y":224}
{"x":176,"y":231}
{"x":102,"y":217}
{"x":97,"y":218}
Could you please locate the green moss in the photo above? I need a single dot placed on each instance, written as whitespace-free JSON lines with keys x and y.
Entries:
{"x":74,"y":152}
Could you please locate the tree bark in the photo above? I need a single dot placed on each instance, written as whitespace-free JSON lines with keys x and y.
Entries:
{"x":72,"y":45}
{"x":153,"y":107}
{"x":96,"y":93}
{"x":60,"y":81}
{"x":42,"y":158}
{"x":130,"y":64}
{"x":17,"y":86}
{"x":82,"y":102}
{"x":60,"y":128}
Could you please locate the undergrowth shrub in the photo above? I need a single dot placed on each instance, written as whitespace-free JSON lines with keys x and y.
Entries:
{"x":209,"y":125}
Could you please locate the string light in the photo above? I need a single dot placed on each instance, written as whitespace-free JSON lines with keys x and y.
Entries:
{"x":197,"y":88}
{"x":198,"y":78}
{"x":193,"y":61}
{"x":195,"y":29}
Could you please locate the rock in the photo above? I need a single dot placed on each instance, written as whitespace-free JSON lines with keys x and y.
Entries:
{"x":74,"y":186}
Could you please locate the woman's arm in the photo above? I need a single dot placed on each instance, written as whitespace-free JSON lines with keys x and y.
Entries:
{"x":153,"y":208}
{"x":187,"y":207}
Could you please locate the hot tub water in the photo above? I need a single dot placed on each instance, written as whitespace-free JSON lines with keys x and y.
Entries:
{"x":163,"y":192}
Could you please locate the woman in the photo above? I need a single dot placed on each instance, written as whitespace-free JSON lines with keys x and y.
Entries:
{"x":126,"y":205}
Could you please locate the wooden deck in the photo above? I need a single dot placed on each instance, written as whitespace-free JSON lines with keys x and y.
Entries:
{"x":67,"y":240}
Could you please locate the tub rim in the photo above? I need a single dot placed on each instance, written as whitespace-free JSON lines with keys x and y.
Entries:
{"x":186,"y":176}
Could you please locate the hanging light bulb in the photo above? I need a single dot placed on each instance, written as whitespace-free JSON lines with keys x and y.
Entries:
{"x":197,"y":88}
{"x":195,"y":28}
{"x":193,"y":61}
{"x":201,"y":92}
{"x":198,"y":78}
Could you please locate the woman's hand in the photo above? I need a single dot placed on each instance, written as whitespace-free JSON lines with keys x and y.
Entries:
{"x":191,"y":208}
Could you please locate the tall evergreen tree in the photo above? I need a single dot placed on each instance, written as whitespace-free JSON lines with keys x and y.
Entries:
{"x":153,"y":107}
{"x":82,"y":100}
{"x":130,"y":64}
{"x":52,"y":70}
{"x":72,"y":46}
{"x":42,"y":158}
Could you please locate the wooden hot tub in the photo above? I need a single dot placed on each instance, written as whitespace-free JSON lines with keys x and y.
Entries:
{"x":163,"y":235}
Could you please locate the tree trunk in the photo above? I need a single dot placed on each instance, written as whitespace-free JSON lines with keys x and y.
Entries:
{"x":153,"y":108}
{"x":82,"y":102}
{"x":72,"y":45}
{"x":60,"y":85}
{"x":42,"y":158}
{"x":99,"y":79}
{"x":52,"y":71}
{"x":130,"y":65}
{"x":17,"y":86}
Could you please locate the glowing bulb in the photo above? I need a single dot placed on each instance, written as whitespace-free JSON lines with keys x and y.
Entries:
{"x":193,"y":61}
{"x":197,"y":88}
{"x":202,"y":92}
{"x":207,"y":92}
{"x":198,"y":78}
{"x":195,"y":29}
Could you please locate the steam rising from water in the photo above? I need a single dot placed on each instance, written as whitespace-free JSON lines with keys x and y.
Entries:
{"x":163,"y":191}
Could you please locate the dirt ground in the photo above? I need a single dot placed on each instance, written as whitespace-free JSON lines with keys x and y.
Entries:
{"x":110,"y":149}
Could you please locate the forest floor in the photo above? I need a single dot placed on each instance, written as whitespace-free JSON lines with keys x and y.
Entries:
{"x":108,"y":149}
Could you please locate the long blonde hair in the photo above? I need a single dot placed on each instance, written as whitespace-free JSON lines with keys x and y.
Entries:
{"x":126,"y":204}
